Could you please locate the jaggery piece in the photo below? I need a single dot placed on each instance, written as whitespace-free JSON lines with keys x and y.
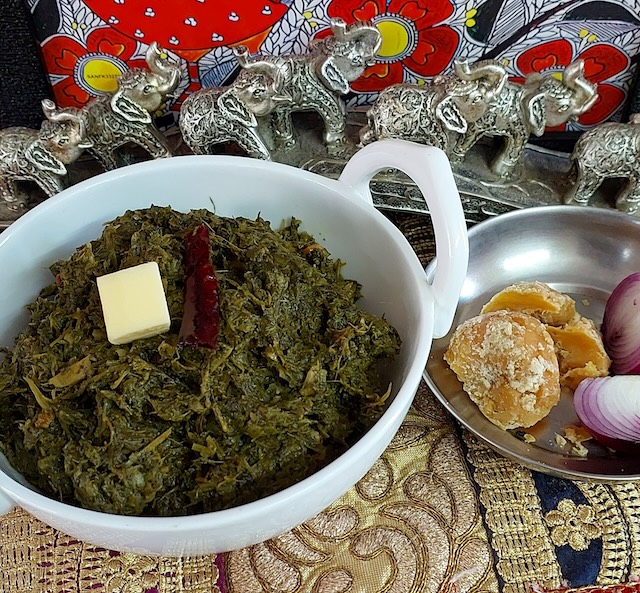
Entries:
{"x":580,"y":351}
{"x":535,"y":298}
{"x":507,"y":364}
{"x":578,"y":342}
{"x":577,"y":434}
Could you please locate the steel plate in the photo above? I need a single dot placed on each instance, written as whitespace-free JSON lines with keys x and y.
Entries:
{"x":581,"y":251}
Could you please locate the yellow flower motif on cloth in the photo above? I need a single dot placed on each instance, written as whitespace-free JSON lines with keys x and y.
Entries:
{"x":573,"y":524}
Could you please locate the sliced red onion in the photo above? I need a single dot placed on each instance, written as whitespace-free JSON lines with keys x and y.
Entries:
{"x":609,"y":407}
{"x":598,"y":420}
{"x":621,"y":326}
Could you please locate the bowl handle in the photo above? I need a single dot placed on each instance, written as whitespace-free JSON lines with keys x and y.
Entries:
{"x":429,"y":167}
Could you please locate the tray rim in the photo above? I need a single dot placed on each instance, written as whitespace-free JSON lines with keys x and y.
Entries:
{"x":500,"y":448}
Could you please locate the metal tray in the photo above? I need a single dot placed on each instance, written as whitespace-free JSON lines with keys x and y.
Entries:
{"x":581,"y":251}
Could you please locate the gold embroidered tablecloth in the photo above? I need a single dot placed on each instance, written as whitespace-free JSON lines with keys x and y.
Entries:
{"x":438,"y":512}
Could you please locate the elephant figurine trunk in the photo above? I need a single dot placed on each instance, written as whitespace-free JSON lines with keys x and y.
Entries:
{"x":126,"y":115}
{"x":211,"y":116}
{"x":520,"y":110}
{"x":317,"y":81}
{"x":432,"y":114}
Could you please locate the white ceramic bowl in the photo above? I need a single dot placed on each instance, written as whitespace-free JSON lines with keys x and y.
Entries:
{"x":338,"y":213}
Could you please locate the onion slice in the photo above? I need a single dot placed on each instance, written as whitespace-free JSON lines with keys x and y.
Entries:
{"x":621,"y":326}
{"x":609,"y":407}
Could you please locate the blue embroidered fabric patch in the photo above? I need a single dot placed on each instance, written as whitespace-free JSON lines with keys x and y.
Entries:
{"x":579,"y":567}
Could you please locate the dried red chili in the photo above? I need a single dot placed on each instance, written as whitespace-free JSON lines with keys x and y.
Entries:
{"x":201,"y":317}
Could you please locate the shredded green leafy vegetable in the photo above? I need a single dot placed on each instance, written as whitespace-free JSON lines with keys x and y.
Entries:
{"x":154,"y":428}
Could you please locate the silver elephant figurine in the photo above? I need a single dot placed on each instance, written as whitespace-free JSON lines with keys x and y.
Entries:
{"x":211,"y":116}
{"x":524,"y":109}
{"x":609,"y":150}
{"x":317,"y":81}
{"x":40,"y":156}
{"x":429,"y":114}
{"x":124,"y":116}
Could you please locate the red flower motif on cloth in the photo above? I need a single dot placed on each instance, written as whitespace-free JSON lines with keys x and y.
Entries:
{"x":412,"y":38}
{"x":193,"y":25}
{"x":601,"y":62}
{"x":81,"y":72}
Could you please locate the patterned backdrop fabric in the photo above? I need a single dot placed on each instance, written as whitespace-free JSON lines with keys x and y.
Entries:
{"x":87,"y":44}
{"x":439,"y":512}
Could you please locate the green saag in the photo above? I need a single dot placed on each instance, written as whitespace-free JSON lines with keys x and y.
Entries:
{"x":155,"y":428}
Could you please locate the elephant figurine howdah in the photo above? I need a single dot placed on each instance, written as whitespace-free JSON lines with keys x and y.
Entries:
{"x":211,"y":116}
{"x":429,"y":114}
{"x":40,"y":156}
{"x":124,"y":116}
{"x":520,"y":110}
{"x":317,"y":81}
{"x":609,"y":150}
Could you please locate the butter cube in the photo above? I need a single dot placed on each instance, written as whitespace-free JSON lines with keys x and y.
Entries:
{"x":134,"y":305}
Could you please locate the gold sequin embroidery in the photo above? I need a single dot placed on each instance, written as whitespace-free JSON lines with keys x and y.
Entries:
{"x":608,"y":503}
{"x":513,"y":515}
{"x":36,"y":558}
{"x":573,"y":524}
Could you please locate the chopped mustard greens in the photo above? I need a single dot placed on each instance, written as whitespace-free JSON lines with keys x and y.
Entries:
{"x":153,"y":428}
